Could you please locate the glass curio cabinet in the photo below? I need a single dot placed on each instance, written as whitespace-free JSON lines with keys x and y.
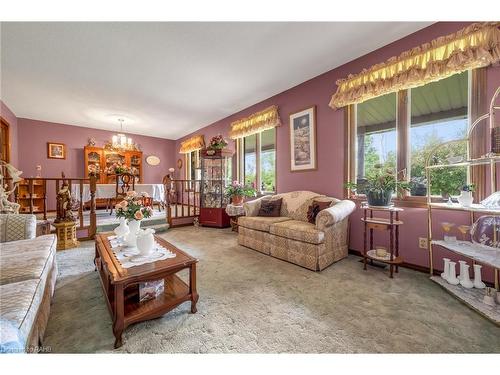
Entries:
{"x":215,"y":176}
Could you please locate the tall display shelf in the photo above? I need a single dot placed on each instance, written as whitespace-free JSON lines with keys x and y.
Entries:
{"x":214,"y":179}
{"x":103,"y":158}
{"x":31,"y":195}
{"x":468,"y":250}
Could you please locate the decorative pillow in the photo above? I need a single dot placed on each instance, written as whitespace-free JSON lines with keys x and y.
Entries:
{"x":270,"y":208}
{"x":314,"y":209}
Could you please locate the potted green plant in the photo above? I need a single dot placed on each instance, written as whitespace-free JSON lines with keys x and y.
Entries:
{"x":238,"y":191}
{"x":379,"y":186}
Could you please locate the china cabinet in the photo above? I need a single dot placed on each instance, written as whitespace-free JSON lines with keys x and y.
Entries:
{"x":103,"y":160}
{"x":215,"y":176}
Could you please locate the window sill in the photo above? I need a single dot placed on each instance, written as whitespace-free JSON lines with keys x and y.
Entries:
{"x":410,"y":202}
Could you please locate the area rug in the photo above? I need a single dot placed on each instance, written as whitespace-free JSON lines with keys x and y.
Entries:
{"x":252,"y":303}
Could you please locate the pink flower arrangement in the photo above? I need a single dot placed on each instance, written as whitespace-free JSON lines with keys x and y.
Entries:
{"x":93,"y":169}
{"x":132,"y":207}
{"x":217,"y":143}
{"x":117,"y":168}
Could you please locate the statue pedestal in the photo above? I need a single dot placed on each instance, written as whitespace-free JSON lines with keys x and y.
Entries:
{"x":66,"y":235}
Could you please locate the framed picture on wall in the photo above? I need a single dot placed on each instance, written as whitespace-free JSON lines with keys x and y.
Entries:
{"x":56,"y":150}
{"x":303,"y":140}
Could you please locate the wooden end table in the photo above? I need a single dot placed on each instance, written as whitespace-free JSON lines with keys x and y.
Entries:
{"x":121,"y":285}
{"x":390,"y":225}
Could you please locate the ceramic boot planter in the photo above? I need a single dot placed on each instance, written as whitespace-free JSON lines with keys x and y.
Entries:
{"x":444,"y":275}
{"x":462,"y":264}
{"x":465,"y":279}
{"x":452,"y":276}
{"x":121,"y":230}
{"x":478,"y":283}
{"x":465,"y":198}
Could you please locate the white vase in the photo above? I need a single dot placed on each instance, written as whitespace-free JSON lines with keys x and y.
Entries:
{"x":122,"y":229}
{"x":452,"y":276}
{"x":131,"y":238}
{"x":464,"y":277}
{"x":465,"y":198}
{"x":444,"y":275}
{"x":145,"y":241}
{"x":478,"y":283}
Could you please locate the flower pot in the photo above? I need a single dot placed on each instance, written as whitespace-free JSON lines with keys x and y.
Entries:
{"x":237,"y":200}
{"x":379,"y":198}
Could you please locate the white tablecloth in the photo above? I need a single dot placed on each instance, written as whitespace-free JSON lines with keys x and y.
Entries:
{"x":106,"y":191}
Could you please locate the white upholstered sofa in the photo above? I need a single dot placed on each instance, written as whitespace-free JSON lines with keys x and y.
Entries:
{"x":28,"y":273}
{"x":291,"y":237}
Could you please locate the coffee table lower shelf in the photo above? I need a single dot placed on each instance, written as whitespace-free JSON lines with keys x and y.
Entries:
{"x":176,"y":292}
{"x":473,"y":298}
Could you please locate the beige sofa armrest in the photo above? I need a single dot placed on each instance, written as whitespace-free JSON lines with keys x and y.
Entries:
{"x":334,"y":214}
{"x":252,"y":207}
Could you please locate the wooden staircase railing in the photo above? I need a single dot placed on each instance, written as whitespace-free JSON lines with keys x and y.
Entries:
{"x":182,"y":199}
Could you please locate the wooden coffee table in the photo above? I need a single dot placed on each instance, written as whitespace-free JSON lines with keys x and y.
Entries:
{"x":121,"y":285}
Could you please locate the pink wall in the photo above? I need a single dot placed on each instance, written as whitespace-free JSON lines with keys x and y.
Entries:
{"x":8,"y":116}
{"x":329,"y":177}
{"x":33,"y":149}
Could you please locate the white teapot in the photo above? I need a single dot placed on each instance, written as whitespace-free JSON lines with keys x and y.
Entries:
{"x":145,"y":241}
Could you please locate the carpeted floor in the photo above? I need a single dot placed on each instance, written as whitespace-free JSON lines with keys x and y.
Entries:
{"x":250,"y":303}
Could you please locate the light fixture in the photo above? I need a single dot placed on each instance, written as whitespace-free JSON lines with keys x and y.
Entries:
{"x":120,"y":141}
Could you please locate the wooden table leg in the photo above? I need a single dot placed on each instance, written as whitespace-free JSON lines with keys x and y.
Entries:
{"x":192,"y":288}
{"x":364,"y":244}
{"x":118,"y":315}
{"x":391,"y":249}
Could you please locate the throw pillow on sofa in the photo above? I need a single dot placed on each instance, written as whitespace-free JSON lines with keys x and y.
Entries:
{"x":270,"y":208}
{"x":314,"y":209}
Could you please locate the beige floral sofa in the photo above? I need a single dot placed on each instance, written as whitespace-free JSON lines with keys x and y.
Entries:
{"x":291,"y":237}
{"x":28,"y":273}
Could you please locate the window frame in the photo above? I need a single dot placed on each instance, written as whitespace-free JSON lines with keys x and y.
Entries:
{"x":240,"y":160}
{"x":476,"y":101}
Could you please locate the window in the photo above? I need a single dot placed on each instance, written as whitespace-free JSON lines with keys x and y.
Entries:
{"x":439,"y":113}
{"x":376,"y":135}
{"x":398,"y":130}
{"x":257,"y":160}
{"x":193,"y":171}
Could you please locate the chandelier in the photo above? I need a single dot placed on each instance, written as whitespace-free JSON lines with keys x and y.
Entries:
{"x":120,"y":140}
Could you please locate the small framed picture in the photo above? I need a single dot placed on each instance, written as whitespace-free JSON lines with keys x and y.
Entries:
{"x":56,"y":150}
{"x":303,"y":140}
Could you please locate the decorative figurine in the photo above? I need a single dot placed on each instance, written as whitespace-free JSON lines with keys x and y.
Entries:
{"x":91,"y":142}
{"x":64,"y":204}
{"x":6,"y":206}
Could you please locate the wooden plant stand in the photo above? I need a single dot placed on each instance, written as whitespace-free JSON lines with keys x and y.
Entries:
{"x":121,"y":285}
{"x":391,"y":225}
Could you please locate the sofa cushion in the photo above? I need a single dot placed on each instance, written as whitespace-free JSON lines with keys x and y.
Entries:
{"x":260,"y":222}
{"x":17,"y":227}
{"x":298,"y":230}
{"x":20,"y":303}
{"x":296,"y":203}
{"x":27,"y":259}
{"x":11,"y":338}
{"x":314,"y":209}
{"x":270,"y":208}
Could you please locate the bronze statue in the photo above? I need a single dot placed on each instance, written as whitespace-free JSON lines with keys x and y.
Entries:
{"x":64,"y":204}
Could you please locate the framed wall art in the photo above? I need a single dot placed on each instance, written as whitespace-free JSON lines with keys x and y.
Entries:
{"x":56,"y":150}
{"x":303,"y":140}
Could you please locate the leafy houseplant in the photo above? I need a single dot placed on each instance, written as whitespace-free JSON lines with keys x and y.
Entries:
{"x":238,"y":191}
{"x":379,"y":186}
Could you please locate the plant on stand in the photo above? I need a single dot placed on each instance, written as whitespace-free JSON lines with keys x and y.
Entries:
{"x":217,"y":143}
{"x":133,"y":210}
{"x":379,"y":186}
{"x":238,"y":191}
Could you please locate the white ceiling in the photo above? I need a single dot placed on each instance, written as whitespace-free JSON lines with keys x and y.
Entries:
{"x":169,"y":79}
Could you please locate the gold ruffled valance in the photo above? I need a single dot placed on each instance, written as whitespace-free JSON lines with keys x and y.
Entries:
{"x":475,"y":46}
{"x":192,"y":144}
{"x":255,"y":123}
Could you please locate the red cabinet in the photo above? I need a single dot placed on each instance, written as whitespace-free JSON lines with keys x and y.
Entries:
{"x":214,"y":217}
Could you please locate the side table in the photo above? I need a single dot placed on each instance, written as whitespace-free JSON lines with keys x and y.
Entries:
{"x":391,"y":224}
{"x":234,"y":212}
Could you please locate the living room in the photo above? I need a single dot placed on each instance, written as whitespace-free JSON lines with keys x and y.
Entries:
{"x":200,"y":200}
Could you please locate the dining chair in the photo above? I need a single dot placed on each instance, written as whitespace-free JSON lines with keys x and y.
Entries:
{"x":124,"y":183}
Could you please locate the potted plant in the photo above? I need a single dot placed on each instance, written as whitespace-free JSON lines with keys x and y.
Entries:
{"x":238,"y":191}
{"x":379,"y":186}
{"x":465,"y":198}
{"x":217,"y":143}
